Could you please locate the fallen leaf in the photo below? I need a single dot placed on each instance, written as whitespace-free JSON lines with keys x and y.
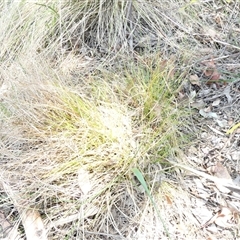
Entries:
{"x":167,"y":65}
{"x":171,"y":73}
{"x":224,"y":217}
{"x":194,"y":79}
{"x":211,"y":71}
{"x":181,"y":95}
{"x":215,"y":76}
{"x":30,"y":217}
{"x":33,"y":225}
{"x":207,"y":109}
{"x":192,"y":95}
{"x":169,"y":201}
{"x":218,"y":20}
{"x":198,"y":104}
{"x":208,"y":114}
{"x":221,"y":172}
{"x":210,"y":67}
{"x":222,"y":123}
{"x":84,"y":181}
{"x":216,"y":102}
{"x":230,"y":122}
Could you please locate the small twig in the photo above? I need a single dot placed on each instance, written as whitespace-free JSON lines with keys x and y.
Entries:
{"x":226,"y":44}
{"x":216,"y":131}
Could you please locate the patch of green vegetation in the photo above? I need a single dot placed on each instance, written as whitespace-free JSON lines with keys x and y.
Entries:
{"x":5,"y":110}
{"x":141,"y":179}
{"x":154,"y":91}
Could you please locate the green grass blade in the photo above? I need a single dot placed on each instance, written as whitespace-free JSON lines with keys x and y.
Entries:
{"x":141,"y":179}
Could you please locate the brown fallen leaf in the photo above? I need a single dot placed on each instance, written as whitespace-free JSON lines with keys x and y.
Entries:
{"x":168,"y":199}
{"x":181,"y":95}
{"x":228,"y":183}
{"x":171,"y":73}
{"x":219,"y":21}
{"x":211,"y":71}
{"x":194,"y":79}
{"x":221,"y":172}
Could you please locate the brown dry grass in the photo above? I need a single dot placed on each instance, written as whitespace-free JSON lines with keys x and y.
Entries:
{"x":77,"y":114}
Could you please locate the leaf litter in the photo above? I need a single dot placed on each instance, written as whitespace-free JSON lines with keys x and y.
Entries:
{"x":213,"y":178}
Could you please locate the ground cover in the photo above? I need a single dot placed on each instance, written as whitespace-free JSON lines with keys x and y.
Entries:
{"x":119,"y":120}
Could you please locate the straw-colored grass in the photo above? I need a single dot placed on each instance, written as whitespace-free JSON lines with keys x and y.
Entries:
{"x":68,"y":152}
{"x":91,"y":26}
{"x":89,"y":92}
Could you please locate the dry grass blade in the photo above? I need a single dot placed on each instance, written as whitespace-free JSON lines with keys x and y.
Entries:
{"x":60,"y":222}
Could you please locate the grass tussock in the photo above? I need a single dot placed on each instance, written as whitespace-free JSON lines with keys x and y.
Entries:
{"x":88,"y":93}
{"x":105,"y":27}
{"x":73,"y":149}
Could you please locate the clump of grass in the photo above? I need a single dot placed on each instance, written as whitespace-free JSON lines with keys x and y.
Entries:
{"x":62,"y":134}
{"x":67,"y":149}
{"x":88,"y":27}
